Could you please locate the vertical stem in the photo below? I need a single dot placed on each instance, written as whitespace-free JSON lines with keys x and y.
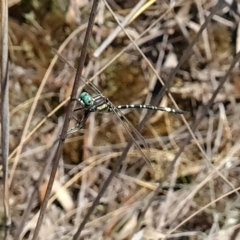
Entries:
{"x":5,"y":106}
{"x":67,"y":117}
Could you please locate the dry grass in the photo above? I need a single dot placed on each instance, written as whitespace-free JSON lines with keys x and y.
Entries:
{"x":198,"y":198}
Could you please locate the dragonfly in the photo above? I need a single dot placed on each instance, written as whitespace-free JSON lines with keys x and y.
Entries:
{"x":101,"y":104}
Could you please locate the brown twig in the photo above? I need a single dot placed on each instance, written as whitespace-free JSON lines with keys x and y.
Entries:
{"x":69,"y":111}
{"x":5,"y":107}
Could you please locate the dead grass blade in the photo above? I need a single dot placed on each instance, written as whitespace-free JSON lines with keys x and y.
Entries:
{"x":138,"y":9}
{"x":5,"y":109}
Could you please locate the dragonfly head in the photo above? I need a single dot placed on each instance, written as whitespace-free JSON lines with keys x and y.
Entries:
{"x":86,"y":99}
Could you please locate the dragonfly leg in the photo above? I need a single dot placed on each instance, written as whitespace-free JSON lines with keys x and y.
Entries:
{"x":77,"y":109}
{"x":80,"y":124}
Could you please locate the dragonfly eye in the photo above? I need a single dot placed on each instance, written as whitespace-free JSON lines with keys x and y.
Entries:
{"x":86,"y":99}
